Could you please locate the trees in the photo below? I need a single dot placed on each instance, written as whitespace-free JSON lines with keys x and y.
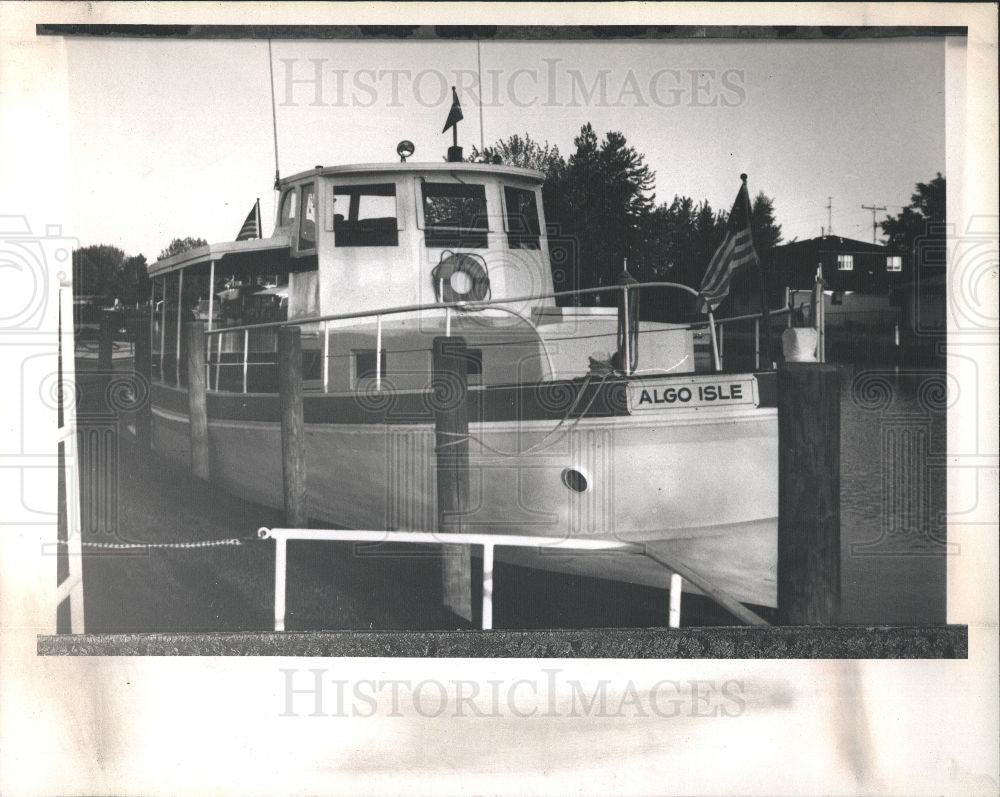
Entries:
{"x":601,"y":210}
{"x":923,"y":218}
{"x":179,"y":245}
{"x":97,"y":271}
{"x":135,"y":282}
{"x":523,"y":152}
{"x":106,"y":272}
{"x":766,"y":233}
{"x":608,"y":192}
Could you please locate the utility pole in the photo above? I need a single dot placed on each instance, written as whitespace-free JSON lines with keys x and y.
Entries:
{"x":874,"y":209}
{"x":829,"y":215}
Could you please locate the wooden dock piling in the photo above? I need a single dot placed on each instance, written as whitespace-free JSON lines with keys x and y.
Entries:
{"x":808,"y":493}
{"x":451,"y":430}
{"x":143,"y":376}
{"x":197,"y":399}
{"x":293,"y":438}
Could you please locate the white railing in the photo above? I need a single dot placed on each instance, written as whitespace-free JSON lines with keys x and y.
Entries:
{"x":323,"y":321}
{"x":488,"y":542}
{"x":71,"y":588}
{"x":715,"y":327}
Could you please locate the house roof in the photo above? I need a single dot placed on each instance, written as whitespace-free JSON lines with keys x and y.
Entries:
{"x":830,"y":243}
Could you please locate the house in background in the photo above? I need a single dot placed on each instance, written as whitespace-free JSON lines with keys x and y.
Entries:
{"x":860,"y":277}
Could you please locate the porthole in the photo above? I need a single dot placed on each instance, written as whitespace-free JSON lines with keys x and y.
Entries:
{"x":574,"y":480}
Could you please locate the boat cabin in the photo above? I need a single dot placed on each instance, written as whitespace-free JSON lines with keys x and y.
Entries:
{"x":378,"y":247}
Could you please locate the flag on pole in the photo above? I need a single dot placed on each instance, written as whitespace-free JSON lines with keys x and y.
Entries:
{"x":455,"y":114}
{"x":251,"y":227}
{"x":735,"y":250}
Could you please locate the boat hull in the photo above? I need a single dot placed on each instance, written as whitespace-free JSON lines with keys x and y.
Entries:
{"x":699,"y":487}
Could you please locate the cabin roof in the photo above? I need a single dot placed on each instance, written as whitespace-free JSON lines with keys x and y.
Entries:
{"x":219,"y":251}
{"x":360,"y":169}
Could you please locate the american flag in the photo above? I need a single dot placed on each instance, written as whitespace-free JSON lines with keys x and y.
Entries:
{"x":251,"y":227}
{"x":735,"y":250}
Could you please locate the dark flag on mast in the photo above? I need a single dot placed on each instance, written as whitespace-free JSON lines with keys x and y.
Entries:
{"x":454,"y":117}
{"x":251,"y":227}
{"x":735,"y":250}
{"x":455,"y":114}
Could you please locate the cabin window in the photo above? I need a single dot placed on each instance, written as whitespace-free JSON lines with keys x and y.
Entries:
{"x":287,"y":215}
{"x":455,"y":215}
{"x":364,"y":364}
{"x":307,"y":218}
{"x":522,"y":218}
{"x":365,"y":215}
{"x":894,"y":263}
{"x":845,"y":262}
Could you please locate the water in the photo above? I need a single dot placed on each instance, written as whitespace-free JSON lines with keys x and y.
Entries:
{"x":893,"y":494}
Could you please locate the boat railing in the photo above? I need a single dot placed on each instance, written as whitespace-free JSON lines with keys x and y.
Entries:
{"x":629,"y":327}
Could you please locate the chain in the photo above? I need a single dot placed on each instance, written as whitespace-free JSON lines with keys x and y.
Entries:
{"x":133,"y":545}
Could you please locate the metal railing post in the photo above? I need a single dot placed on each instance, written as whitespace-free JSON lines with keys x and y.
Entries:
{"x":163,"y":332}
{"x":326,"y":356}
{"x":378,"y":352}
{"x":715,"y":344}
{"x":211,"y":312}
{"x":246,"y":350}
{"x":218,"y":360}
{"x":676,"y":589}
{"x":280,"y":565}
{"x":180,"y":316}
{"x":487,"y":622}
{"x":756,"y":343}
{"x":628,"y":344}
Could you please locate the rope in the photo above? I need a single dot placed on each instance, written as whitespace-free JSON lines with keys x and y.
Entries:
{"x":134,"y":545}
{"x":544,"y":442}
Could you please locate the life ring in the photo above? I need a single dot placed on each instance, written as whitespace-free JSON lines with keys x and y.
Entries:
{"x":473,"y":266}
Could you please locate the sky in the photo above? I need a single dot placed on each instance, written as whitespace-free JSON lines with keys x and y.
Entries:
{"x":174,"y":138}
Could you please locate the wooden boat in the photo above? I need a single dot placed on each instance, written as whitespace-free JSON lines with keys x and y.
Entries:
{"x":581,"y":422}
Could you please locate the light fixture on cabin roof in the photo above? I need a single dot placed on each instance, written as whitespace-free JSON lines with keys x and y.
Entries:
{"x":405,"y":149}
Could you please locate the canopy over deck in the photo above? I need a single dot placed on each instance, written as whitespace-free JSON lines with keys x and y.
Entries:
{"x":234,"y":253}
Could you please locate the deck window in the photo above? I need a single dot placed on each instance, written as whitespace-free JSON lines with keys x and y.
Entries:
{"x":364,"y":364}
{"x":307,"y":218}
{"x":287,"y":215}
{"x":365,"y":215}
{"x":845,"y":262}
{"x":523,"y":229}
{"x":894,"y":263}
{"x":455,"y":215}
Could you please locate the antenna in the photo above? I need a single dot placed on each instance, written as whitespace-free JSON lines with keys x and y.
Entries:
{"x":829,"y":215}
{"x":274,"y":117}
{"x":479,"y":77}
{"x":874,"y":209}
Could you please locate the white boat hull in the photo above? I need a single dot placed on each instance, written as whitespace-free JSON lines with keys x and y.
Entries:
{"x":701,"y":488}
